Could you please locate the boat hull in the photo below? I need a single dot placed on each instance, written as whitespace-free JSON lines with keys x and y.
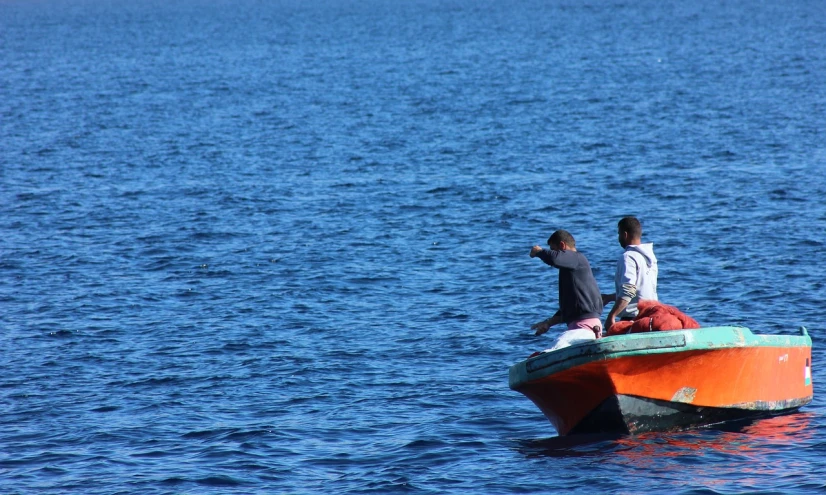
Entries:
{"x":629,"y":414}
{"x":668,"y":380}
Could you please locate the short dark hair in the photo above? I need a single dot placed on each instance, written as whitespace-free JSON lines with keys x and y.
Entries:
{"x":630,"y":225}
{"x":562,"y":236}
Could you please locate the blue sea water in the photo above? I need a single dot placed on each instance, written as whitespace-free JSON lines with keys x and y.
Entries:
{"x":282,"y":246}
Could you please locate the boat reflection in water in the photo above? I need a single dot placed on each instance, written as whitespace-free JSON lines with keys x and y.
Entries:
{"x":754,"y":438}
{"x":742,"y":453}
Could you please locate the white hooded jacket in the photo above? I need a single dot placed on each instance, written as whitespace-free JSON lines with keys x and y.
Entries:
{"x":636,"y":277}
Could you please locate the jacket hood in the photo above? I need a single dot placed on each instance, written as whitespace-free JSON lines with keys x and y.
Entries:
{"x":647,"y":250}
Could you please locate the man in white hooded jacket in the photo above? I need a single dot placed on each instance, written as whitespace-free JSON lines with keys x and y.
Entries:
{"x":636,"y":276}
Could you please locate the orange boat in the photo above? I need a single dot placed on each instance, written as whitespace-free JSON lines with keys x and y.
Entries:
{"x":668,"y":380}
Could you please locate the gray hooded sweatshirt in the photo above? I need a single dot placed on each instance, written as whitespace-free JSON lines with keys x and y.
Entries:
{"x":636,"y":277}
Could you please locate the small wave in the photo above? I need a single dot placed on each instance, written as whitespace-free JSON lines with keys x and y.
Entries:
{"x":216,"y":433}
{"x":439,"y":190}
{"x":105,"y":409}
{"x":425,"y":444}
{"x":218,"y":481}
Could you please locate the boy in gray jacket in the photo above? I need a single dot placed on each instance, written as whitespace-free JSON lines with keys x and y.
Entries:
{"x":636,"y":275}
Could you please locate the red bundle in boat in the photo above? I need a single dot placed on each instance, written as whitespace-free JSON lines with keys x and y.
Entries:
{"x":654,"y":316}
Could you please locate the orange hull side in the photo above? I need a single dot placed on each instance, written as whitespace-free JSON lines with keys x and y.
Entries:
{"x":743,"y":377}
{"x":720,"y":378}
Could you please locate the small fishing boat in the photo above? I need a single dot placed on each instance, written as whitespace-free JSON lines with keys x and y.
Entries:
{"x":668,"y":380}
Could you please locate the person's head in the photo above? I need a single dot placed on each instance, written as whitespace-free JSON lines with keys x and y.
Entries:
{"x":562,"y":240}
{"x":629,"y":231}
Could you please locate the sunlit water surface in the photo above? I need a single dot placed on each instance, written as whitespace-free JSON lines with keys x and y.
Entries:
{"x":282,"y":247}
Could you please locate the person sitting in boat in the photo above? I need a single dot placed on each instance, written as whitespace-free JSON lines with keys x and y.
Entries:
{"x":636,"y":275}
{"x":580,"y":301}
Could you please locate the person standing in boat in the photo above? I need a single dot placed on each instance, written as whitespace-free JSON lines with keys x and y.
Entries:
{"x":636,"y":275}
{"x":580,"y":301}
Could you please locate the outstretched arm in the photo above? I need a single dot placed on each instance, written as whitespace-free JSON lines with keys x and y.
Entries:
{"x":556,"y":258}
